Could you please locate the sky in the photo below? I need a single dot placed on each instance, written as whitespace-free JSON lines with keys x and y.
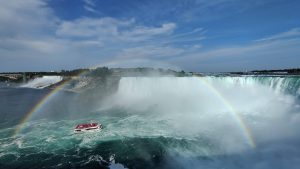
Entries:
{"x":190,"y":35}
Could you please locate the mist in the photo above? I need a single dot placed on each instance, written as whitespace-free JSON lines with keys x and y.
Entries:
{"x":196,"y":120}
{"x":203,"y":109}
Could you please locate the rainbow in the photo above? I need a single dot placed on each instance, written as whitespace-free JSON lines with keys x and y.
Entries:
{"x":37,"y":106}
{"x":42,"y":102}
{"x":237,"y":116}
{"x":244,"y":129}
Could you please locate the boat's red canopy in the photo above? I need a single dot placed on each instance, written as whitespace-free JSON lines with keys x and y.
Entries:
{"x":88,"y":125}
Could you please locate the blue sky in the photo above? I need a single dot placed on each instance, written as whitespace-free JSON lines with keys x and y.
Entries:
{"x":193,"y":35}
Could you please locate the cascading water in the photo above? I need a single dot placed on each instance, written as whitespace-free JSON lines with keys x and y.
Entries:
{"x":234,"y":114}
{"x":281,"y":84}
{"x":171,"y":122}
{"x":42,"y":82}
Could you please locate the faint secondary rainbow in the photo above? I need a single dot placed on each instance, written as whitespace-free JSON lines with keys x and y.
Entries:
{"x":245,"y":130}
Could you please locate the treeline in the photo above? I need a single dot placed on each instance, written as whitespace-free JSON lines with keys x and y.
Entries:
{"x":295,"y":71}
{"x":288,"y":71}
{"x":96,"y":72}
{"x":75,"y":72}
{"x":100,"y":72}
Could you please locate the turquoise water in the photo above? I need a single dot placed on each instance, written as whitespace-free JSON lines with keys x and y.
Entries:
{"x":157,"y":123}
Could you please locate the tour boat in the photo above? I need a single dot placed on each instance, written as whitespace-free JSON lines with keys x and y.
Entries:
{"x":87,"y":127}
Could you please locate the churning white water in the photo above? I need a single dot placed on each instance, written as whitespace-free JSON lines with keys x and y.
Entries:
{"x":42,"y":82}
{"x":231,"y":111}
{"x":167,"y":122}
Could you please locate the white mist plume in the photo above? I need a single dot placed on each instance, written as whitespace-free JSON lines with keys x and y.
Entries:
{"x":194,"y":107}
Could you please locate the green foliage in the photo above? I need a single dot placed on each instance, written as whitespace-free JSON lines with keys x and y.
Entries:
{"x":100,"y":72}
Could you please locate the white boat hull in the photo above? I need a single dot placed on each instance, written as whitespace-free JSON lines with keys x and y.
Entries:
{"x":88,"y":129}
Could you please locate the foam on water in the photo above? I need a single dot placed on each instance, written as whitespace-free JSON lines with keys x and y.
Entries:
{"x":179,"y":122}
{"x":190,"y":108}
